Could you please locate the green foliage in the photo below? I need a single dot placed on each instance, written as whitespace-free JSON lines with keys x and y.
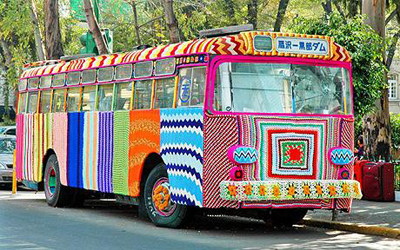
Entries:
{"x":395,"y":129}
{"x":365,"y":48}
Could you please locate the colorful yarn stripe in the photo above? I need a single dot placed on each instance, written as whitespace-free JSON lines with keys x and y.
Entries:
{"x":75,"y":149}
{"x":60,"y":143}
{"x":105,"y":152}
{"x":121,"y":156}
{"x":90,"y":144}
{"x":20,"y":146}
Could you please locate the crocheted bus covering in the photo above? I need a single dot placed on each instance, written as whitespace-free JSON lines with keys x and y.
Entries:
{"x":121,"y":155}
{"x":241,"y":44}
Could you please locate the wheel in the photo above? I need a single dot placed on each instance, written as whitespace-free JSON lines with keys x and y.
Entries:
{"x":56,"y":194}
{"x":287,"y":217}
{"x":157,"y":198}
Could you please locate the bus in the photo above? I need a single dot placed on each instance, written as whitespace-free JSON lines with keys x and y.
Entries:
{"x":252,"y":121}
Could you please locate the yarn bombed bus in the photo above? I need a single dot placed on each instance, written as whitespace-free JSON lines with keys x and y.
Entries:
{"x":253,"y":120}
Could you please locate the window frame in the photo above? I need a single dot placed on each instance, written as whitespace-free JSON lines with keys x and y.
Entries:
{"x":393,"y":82}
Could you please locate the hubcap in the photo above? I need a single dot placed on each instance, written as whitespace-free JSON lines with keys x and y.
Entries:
{"x":162,"y":198}
{"x":51,"y":181}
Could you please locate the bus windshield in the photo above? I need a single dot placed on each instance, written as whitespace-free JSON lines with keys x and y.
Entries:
{"x":282,"y":88}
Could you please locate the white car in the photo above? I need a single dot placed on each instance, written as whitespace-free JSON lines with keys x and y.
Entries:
{"x":7,"y":146}
{"x":8,"y":130}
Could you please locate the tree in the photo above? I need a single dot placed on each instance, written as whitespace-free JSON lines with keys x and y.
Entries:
{"x":37,"y":32}
{"x":376,"y":125}
{"x":281,"y":14}
{"x":94,"y":27}
{"x":252,"y":12}
{"x":172,"y":23}
{"x":54,"y":46}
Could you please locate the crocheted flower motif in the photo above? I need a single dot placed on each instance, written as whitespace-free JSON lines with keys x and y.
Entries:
{"x":332,"y":190}
{"x":262,"y":190}
{"x":306,"y":190}
{"x":232,"y":190}
{"x":248,"y":190}
{"x":345,"y":188}
{"x":276,"y":191}
{"x":356,"y":190}
{"x":291,"y":191}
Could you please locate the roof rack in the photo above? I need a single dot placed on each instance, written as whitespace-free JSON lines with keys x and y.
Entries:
{"x":230,"y":30}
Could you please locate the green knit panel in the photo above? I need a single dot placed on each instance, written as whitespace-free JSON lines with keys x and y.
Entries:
{"x":121,"y":153}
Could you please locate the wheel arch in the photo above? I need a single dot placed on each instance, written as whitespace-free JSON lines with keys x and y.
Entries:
{"x":45,"y":158}
{"x":150,"y":162}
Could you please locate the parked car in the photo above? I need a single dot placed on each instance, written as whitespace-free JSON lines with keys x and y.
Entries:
{"x":8,"y":130}
{"x":7,"y":146}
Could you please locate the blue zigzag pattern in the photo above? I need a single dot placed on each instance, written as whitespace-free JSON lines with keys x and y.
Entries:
{"x":181,"y":147}
{"x":342,"y":156}
{"x":245,"y":155}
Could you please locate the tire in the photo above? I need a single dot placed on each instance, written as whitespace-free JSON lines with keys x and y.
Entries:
{"x":56,"y":194}
{"x":160,"y":209}
{"x":287,"y":217}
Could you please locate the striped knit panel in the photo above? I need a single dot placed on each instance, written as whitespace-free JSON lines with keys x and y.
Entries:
{"x":121,"y":156}
{"x":60,"y":143}
{"x":181,"y":138}
{"x":144,"y":139}
{"x":20,"y":146}
{"x":347,"y":141}
{"x":80,"y":148}
{"x":38,"y":147}
{"x":75,"y":139}
{"x":220,"y":133}
{"x":28,"y":147}
{"x":89,"y":158}
{"x":105,"y":152}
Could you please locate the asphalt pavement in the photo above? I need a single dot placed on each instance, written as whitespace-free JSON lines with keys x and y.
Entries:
{"x":26,"y":222}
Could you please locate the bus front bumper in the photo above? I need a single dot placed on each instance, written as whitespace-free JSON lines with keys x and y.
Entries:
{"x":289,"y":190}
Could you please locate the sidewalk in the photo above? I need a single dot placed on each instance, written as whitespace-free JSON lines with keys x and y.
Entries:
{"x":377,"y":218}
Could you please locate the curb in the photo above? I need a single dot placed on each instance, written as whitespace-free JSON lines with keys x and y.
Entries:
{"x":355,"y":228}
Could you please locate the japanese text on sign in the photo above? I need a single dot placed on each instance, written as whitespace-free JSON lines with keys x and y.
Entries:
{"x":295,"y":45}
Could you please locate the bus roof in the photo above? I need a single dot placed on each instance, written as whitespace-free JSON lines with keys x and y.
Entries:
{"x":258,"y":43}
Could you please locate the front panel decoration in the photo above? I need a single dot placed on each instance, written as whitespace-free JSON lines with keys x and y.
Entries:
{"x":181,"y":148}
{"x":341,"y":156}
{"x":242,"y":154}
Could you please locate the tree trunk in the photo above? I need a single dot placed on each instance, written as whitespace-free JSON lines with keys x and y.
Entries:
{"x":252,"y":11}
{"x":376,"y":126}
{"x":37,"y":32}
{"x":135,"y":20}
{"x":353,"y":6}
{"x":171,"y":21}
{"x":327,"y":7}
{"x":392,"y":49}
{"x":94,"y":27}
{"x":54,"y":46}
{"x":5,"y":46}
{"x":281,"y":14}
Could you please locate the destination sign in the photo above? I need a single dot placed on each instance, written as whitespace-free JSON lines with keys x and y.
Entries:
{"x":300,"y":45}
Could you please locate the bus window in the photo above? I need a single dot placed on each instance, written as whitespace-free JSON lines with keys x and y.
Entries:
{"x":142,"y":95}
{"x":191,"y":86}
{"x":123,"y":96}
{"x":73,"y":99}
{"x":89,"y":98}
{"x":22,"y":102}
{"x":164,"y":97}
{"x":32,"y":102}
{"x":58,"y":100}
{"x":105,"y":97}
{"x":45,"y":97}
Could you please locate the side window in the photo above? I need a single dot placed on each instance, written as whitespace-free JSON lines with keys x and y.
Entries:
{"x":123,"y":96}
{"x":73,"y":99}
{"x":32,"y":102}
{"x":22,"y":102}
{"x":105,"y":96}
{"x":164,"y":97}
{"x":45,"y":97}
{"x":11,"y":131}
{"x":191,"y":87}
{"x":89,"y":98}
{"x":58,"y":100}
{"x":142,"y":94}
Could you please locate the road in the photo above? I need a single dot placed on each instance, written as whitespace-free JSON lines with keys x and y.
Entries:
{"x":27,"y":222}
